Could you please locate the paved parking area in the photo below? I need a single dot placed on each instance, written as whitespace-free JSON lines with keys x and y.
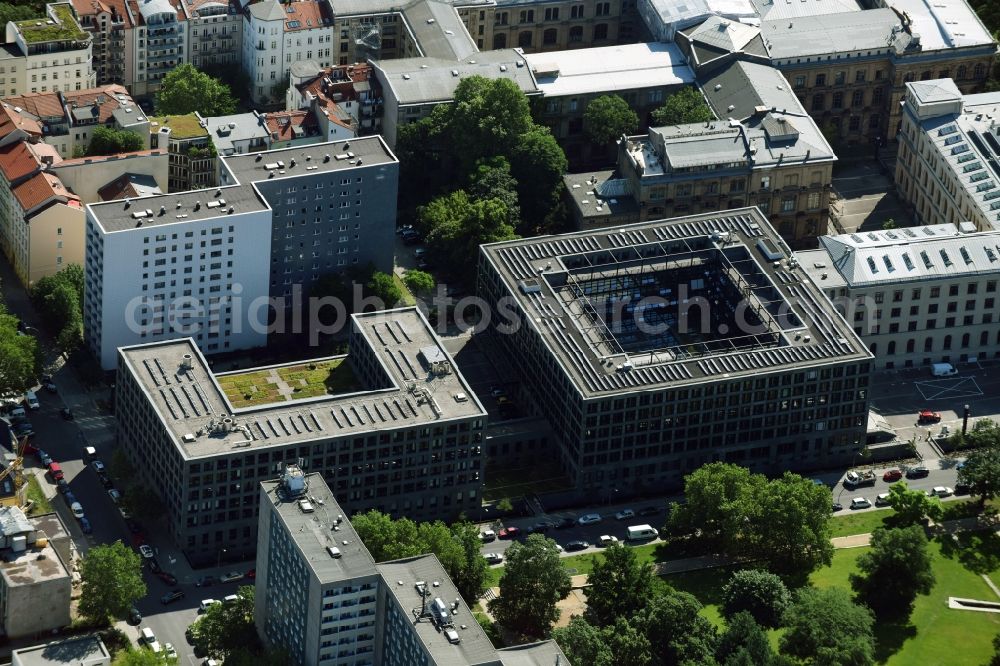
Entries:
{"x":865,"y":199}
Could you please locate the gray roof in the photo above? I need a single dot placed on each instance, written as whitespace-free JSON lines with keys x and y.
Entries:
{"x":75,"y":651}
{"x":936,"y":90}
{"x":543,"y":653}
{"x":827,"y":34}
{"x":911,"y":254}
{"x":439,"y":31}
{"x":786,"y":9}
{"x":225,"y":131}
{"x":473,"y":648}
{"x":600,"y":194}
{"x":268,"y":10}
{"x":314,"y":533}
{"x":243,"y":197}
{"x":369,"y":7}
{"x":187,"y":402}
{"x":426,"y":80}
{"x":14,"y":522}
{"x":724,"y":34}
{"x":556,"y":282}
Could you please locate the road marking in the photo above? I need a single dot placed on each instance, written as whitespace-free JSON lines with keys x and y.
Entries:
{"x":949,"y":388}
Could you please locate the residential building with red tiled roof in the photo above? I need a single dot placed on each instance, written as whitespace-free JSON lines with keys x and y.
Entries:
{"x":15,"y":126}
{"x":88,"y":177}
{"x":293,"y":128}
{"x":341,"y":96}
{"x":67,"y":119}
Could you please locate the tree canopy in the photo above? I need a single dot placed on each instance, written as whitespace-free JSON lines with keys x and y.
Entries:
{"x":677,"y":631}
{"x":533,"y":581}
{"x":894,"y":571}
{"x":619,"y":585}
{"x":19,"y":356}
{"x":111,"y":575}
{"x":456,"y":225}
{"x":620,"y":643}
{"x":981,"y":471}
{"x":419,"y":282}
{"x":106,"y":140}
{"x":608,"y":117}
{"x":185,"y":89}
{"x":142,"y":657}
{"x":744,"y":643}
{"x":826,"y":628}
{"x":684,"y":106}
{"x":762,"y":594}
{"x":383,"y":287}
{"x":59,"y":299}
{"x":911,"y":506}
{"x":783,"y":522}
{"x":224,"y":629}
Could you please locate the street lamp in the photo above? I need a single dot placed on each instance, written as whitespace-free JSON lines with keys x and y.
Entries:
{"x":218,"y":561}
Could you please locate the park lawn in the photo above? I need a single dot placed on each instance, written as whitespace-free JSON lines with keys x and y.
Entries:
{"x":39,"y":503}
{"x":847,"y":524}
{"x":935,"y":634}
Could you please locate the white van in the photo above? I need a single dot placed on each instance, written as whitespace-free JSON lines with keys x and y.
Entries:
{"x":31,"y":400}
{"x":148,"y":636}
{"x":943,"y":370}
{"x":90,"y":453}
{"x":230,"y":599}
{"x":642,"y":532}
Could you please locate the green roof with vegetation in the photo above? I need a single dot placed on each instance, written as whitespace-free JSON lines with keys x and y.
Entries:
{"x":287,"y":383}
{"x":64,"y":29}
{"x":181,"y":127}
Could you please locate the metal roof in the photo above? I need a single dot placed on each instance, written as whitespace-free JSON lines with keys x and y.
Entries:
{"x":828,"y":34}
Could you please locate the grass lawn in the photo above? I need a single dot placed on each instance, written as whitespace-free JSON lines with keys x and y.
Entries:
{"x":39,"y":503}
{"x":307,"y":380}
{"x":847,"y":524}
{"x":405,"y":296}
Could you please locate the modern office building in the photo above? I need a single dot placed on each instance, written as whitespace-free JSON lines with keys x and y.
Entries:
{"x":915,"y":296}
{"x":205,"y":262}
{"x":948,"y":150}
{"x":49,"y":53}
{"x":323,"y":599}
{"x":658,"y":347}
{"x":767,"y":152}
{"x":401,"y":433}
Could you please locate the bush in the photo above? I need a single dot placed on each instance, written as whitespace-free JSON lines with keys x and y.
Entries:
{"x":760,"y":593}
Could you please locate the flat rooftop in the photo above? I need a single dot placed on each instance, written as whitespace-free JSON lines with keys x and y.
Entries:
{"x":423,"y":80}
{"x":34,"y":565}
{"x":473,"y":647}
{"x":193,"y":405}
{"x":239,"y":173}
{"x":68,"y":652}
{"x":600,"y":194}
{"x":325,"y":527}
{"x":607,"y":69}
{"x":672,"y":302}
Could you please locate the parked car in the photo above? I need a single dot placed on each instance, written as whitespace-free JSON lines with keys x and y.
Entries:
{"x":62,"y":485}
{"x":31,"y":400}
{"x":206,"y":603}
{"x":837,"y":507}
{"x":917,"y":472}
{"x":487,"y":535}
{"x":927,"y":416}
{"x":69,"y":497}
{"x":493,"y":558}
{"x":589,"y":519}
{"x":892,"y":475}
{"x":625,"y":514}
{"x":77,"y":510}
{"x":98,"y":466}
{"x":509,"y":532}
{"x":106,"y":481}
{"x":252,"y":574}
{"x":146,"y":551}
{"x":649,"y":511}
{"x":50,"y":386}
{"x":171,"y":597}
{"x":55,"y":470}
{"x":114,"y":495}
{"x":607,"y":540}
{"x":205,"y":581}
{"x":882,"y":499}
{"x":85,"y":526}
{"x":134,"y":616}
{"x":167,"y":578}
{"x":860,"y":503}
{"x":962,"y":489}
{"x":44,"y":458}
{"x":497,"y":392}
{"x":169,"y":649}
{"x":941,"y":491}
{"x":576,"y":545}
{"x":565,"y":523}
{"x":231,"y":577}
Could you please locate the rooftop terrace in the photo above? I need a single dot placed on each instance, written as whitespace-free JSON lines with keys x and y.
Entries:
{"x":672,"y":302}
{"x":181,"y":127}
{"x":198,"y":412}
{"x":63,"y":29}
{"x":286,"y":383}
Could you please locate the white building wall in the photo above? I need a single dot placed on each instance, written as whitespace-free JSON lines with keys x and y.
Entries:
{"x":116,"y":289}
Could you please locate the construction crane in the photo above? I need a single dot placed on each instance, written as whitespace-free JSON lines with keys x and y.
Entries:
{"x":17,"y":494}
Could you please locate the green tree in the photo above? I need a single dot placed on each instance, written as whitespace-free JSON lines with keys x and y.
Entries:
{"x":995,"y":659}
{"x":470,"y":576}
{"x":385,"y":538}
{"x":141,"y":501}
{"x":419,"y":282}
{"x":984,"y":433}
{"x":533,"y":581}
{"x":744,"y":643}
{"x":538,"y":165}
{"x":226,"y":628}
{"x":111,"y":575}
{"x":627,"y":643}
{"x":889,"y":224}
{"x":894,"y":571}
{"x":787,"y":525}
{"x":826,"y":628}
{"x":619,"y":586}
{"x":583,"y":643}
{"x":488,"y":118}
{"x":19,"y":357}
{"x":110,"y":141}
{"x":981,"y":472}
{"x":457,"y":225}
{"x":186,"y":90}
{"x":712,"y":511}
{"x":762,"y":594}
{"x":678,"y":633}
{"x":684,"y":106}
{"x":607,"y":118}
{"x":142,"y":657}
{"x":912,"y":506}
{"x":383,"y":287}
{"x":59,"y":299}
{"x":491,"y":179}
